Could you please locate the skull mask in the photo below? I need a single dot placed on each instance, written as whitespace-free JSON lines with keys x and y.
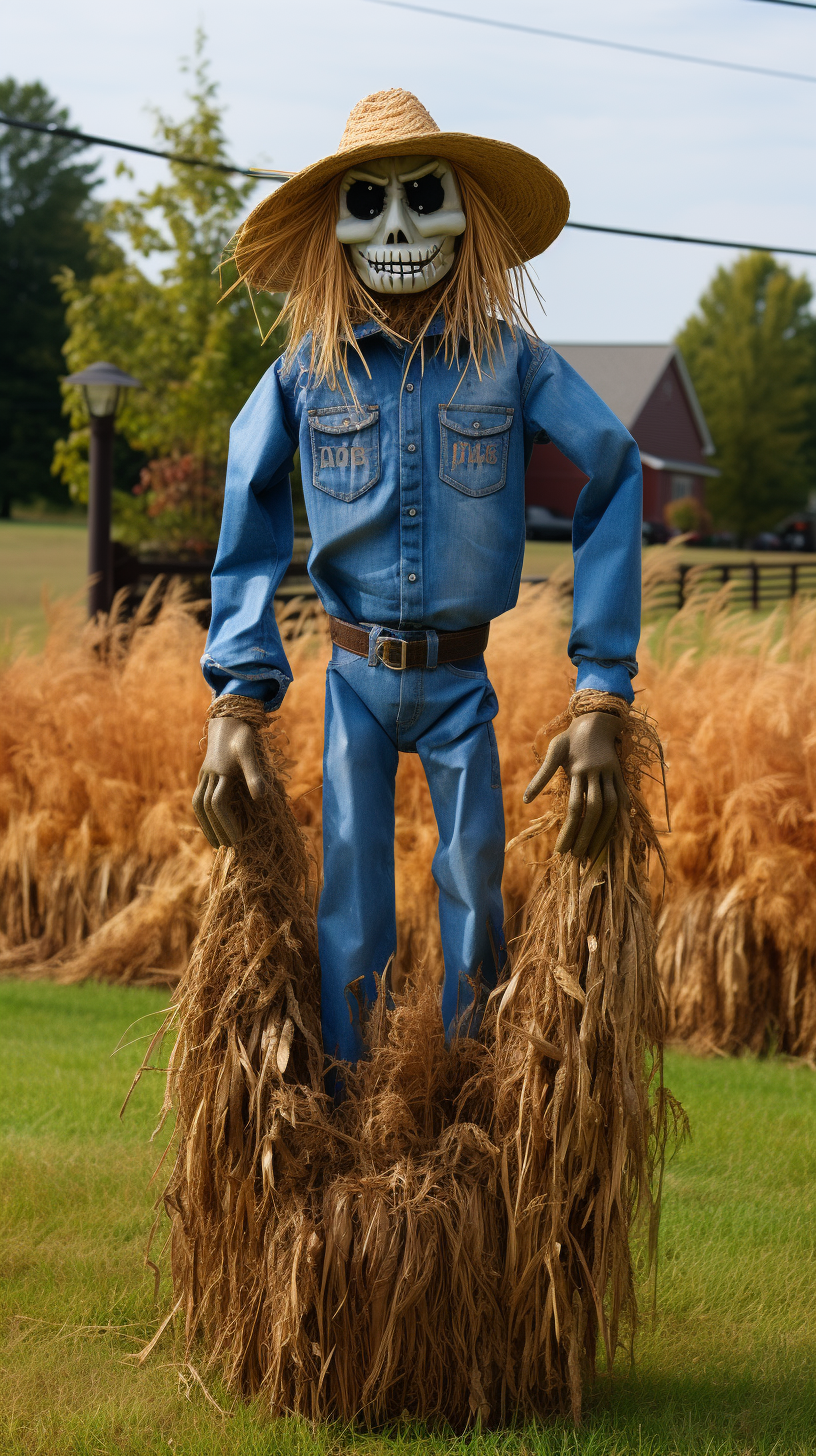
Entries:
{"x":398,"y":219}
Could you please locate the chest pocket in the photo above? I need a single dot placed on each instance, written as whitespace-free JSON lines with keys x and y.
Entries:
{"x":345,"y":450}
{"x":474,"y":445}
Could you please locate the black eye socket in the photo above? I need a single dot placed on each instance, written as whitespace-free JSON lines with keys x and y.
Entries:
{"x":426,"y":194}
{"x":365,"y":199}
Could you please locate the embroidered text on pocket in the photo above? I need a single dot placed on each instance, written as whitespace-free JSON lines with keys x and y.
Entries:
{"x":474,"y":442}
{"x":345,"y":450}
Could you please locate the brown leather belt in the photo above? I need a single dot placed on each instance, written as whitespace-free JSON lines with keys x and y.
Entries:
{"x":399,"y":653}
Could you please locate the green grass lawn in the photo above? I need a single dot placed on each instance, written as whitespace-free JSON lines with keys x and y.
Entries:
{"x":729,"y":1367}
{"x":542,"y":557}
{"x":37,"y":557}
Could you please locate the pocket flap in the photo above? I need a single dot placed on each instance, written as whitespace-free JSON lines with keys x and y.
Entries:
{"x":477,"y":421}
{"x":342,"y":421}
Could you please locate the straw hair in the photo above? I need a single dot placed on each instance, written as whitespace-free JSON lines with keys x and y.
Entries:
{"x":327,"y":298}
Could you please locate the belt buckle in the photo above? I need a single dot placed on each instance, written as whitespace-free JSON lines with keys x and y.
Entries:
{"x":385,"y":642}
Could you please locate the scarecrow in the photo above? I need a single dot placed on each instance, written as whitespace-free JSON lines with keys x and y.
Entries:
{"x":450,"y":1237}
{"x":414,"y":387}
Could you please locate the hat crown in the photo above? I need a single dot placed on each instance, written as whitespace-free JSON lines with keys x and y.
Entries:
{"x":386,"y":116}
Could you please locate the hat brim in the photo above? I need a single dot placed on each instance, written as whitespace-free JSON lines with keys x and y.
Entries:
{"x":530,"y":197}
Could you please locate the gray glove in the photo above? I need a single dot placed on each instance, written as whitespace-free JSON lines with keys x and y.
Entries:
{"x":587,"y":753}
{"x":230,"y":759}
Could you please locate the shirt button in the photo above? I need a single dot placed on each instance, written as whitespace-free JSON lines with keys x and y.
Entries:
{"x":411,"y":449}
{"x":475,"y":424}
{"x":409,"y":388}
{"x":412,"y":511}
{"x":412,"y":576}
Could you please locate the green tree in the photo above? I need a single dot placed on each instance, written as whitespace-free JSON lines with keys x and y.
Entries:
{"x":196,"y":352}
{"x":750,"y":350}
{"x":44,"y":203}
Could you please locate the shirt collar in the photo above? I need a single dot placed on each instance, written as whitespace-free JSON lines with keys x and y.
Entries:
{"x":373,"y":326}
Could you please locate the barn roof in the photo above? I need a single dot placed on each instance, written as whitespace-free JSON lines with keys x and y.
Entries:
{"x":625,"y":376}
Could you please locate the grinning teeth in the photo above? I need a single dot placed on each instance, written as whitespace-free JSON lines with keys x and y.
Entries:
{"x":384,"y":261}
{"x":390,"y":265}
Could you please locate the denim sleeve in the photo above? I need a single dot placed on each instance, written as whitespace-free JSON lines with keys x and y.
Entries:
{"x":606,"y":528}
{"x":244,"y":653}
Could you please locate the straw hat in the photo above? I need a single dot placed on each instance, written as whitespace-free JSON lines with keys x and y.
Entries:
{"x":532,"y":199}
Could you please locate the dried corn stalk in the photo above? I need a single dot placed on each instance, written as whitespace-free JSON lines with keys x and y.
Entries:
{"x":581,"y":1108}
{"x":450,"y":1239}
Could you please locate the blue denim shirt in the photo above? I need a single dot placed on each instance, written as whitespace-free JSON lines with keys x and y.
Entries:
{"x":414,"y":491}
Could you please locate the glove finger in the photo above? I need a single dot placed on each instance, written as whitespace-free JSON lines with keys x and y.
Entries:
{"x":220,"y":810}
{"x":248,"y":758}
{"x":217,"y":830}
{"x":592,"y":814}
{"x":572,"y":823}
{"x":624,"y":797}
{"x":606,"y":824}
{"x":201,"y":813}
{"x":555,"y":757}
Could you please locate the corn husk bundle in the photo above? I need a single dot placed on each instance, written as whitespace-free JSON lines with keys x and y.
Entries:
{"x":449,"y":1240}
{"x":583,"y":1112}
{"x":247,"y":1050}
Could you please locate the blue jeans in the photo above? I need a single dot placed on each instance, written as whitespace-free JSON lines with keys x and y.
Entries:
{"x":445,"y":715}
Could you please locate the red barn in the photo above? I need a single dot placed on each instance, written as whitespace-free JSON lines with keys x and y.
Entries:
{"x":649,"y":389}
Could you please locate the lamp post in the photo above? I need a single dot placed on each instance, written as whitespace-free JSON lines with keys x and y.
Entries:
{"x":102,"y":387}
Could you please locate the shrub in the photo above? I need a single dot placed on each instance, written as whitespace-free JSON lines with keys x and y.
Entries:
{"x":687,"y":514}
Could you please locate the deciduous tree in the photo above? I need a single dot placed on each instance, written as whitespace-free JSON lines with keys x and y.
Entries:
{"x":750,"y":349}
{"x":45,"y":200}
{"x":154,"y":307}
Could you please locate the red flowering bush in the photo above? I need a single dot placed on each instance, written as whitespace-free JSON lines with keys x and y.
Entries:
{"x":178,"y":504}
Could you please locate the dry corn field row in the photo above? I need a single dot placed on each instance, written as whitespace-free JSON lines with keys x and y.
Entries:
{"x":103,"y":869}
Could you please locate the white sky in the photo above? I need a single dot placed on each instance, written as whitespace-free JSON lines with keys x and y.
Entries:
{"x":639,"y":142}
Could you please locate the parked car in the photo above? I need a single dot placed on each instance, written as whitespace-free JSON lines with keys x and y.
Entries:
{"x":655,"y":533}
{"x":545,"y":525}
{"x":797,"y":533}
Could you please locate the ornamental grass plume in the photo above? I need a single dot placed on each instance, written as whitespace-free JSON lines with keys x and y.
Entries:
{"x":735,"y":693}
{"x":103,"y":870}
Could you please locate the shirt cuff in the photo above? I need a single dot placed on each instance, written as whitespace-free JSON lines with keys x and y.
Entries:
{"x":269,"y":689}
{"x":261,"y":691}
{"x":605,"y":677}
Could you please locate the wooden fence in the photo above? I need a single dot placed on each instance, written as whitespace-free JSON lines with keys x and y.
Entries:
{"x":752,"y":584}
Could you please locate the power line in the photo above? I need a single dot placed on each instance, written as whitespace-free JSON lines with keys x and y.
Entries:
{"x":614,"y":45}
{"x":260,"y":174}
{"x":51,"y":128}
{"x":800,"y":4}
{"x":592,"y":227}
